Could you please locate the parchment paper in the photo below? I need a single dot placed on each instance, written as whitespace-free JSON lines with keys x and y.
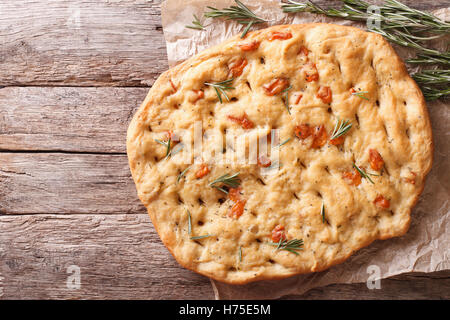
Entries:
{"x":425,"y":248}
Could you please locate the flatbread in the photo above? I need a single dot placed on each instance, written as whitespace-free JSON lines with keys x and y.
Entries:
{"x":324,"y":198}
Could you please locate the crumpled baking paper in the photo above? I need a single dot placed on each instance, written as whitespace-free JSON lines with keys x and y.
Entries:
{"x":425,"y":248}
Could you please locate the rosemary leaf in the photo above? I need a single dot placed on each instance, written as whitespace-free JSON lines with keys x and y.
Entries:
{"x":286,"y":98}
{"x":322,"y":212}
{"x":201,"y":237}
{"x":361,"y":95}
{"x":181,"y":175}
{"x":284,"y":142}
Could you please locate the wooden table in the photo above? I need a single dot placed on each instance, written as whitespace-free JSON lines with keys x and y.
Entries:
{"x":72,"y":73}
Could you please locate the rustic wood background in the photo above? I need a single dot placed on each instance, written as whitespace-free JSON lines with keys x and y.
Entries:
{"x":72,"y":73}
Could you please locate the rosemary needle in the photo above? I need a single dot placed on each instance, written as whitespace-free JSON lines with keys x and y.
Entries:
{"x":361,"y":95}
{"x":322,"y":212}
{"x":181,"y":175}
{"x":201,"y":237}
{"x":286,"y":98}
{"x":196,"y":24}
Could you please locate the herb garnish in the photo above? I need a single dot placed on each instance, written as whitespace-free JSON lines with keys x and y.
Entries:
{"x":240,"y":254}
{"x":221,"y":87}
{"x":286,"y":98}
{"x":291,"y":245}
{"x":181,"y":175}
{"x":196,"y":24}
{"x":240,"y":13}
{"x":363,"y":173}
{"x":232,"y":181}
{"x":341,"y":128}
{"x":166,"y":144}
{"x":190,"y":229}
{"x":284,"y":142}
{"x":361,"y":94}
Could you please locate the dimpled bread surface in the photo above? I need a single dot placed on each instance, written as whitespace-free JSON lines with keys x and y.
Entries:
{"x":369,"y":86}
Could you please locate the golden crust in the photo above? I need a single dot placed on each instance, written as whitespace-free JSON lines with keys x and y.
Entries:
{"x":393,"y":121}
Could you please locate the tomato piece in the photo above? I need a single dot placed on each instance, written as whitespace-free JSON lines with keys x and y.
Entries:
{"x":311,"y":73}
{"x":237,"y":209}
{"x":413,"y":179}
{"x":353,"y":178}
{"x":278,"y":233}
{"x":200,"y":94}
{"x":264,"y":161}
{"x":244,"y":121}
{"x":276,"y":86}
{"x":375,"y":160}
{"x":303,"y":51}
{"x":297,"y":97}
{"x":277,"y":35}
{"x":173,"y":86}
{"x":352,"y":90}
{"x":320,"y":137}
{"x":234,"y":194}
{"x":303,"y":131}
{"x":172,"y":136}
{"x":337,"y":141}
{"x":325,"y":94}
{"x":237,"y":67}
{"x":249,"y":46}
{"x":382,"y":202}
{"x":203,"y":171}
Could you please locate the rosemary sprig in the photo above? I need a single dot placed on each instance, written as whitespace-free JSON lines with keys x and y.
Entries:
{"x":181,"y":175}
{"x":363,"y":173}
{"x":166,"y":144}
{"x":361,"y":95}
{"x":433,"y":93}
{"x":231,"y":181}
{"x":292,"y":245}
{"x":340,"y":128}
{"x":240,"y":13}
{"x":286,"y":98}
{"x":221,"y":87}
{"x":196,"y":24}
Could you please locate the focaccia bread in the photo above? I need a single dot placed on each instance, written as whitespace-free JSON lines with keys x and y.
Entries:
{"x":352,"y":134}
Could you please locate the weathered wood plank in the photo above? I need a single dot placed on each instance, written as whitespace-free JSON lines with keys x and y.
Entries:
{"x":67,"y":119}
{"x":89,"y":43}
{"x":410,"y":286}
{"x":66,"y":183}
{"x":119,"y":256}
{"x":81,"y":43}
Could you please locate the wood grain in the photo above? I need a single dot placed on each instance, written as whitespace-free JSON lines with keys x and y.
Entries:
{"x":81,"y":43}
{"x":36,"y":183}
{"x":67,"y":119}
{"x":119,"y":256}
